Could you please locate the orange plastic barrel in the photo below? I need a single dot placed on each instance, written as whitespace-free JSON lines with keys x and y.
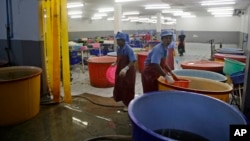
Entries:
{"x":97,"y":71}
{"x":19,"y":94}
{"x":214,"y":66}
{"x":204,"y":86}
{"x":141,"y":59}
{"x":220,"y":57}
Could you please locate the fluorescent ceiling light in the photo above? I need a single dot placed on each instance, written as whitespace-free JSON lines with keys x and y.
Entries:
{"x":106,"y":9}
{"x":171,"y":11}
{"x":188,"y":16}
{"x":96,"y":18}
{"x":100,"y":14}
{"x":125,"y":19}
{"x":182,"y":14}
{"x":110,"y":19}
{"x":74,"y":12}
{"x":131,"y":13}
{"x":216,"y":2}
{"x":126,"y":0}
{"x":72,"y":5}
{"x":157,"y":6}
{"x":220,"y":9}
{"x":76,"y":16}
{"x":223,"y":15}
{"x":169,"y":23}
{"x":132,"y":18}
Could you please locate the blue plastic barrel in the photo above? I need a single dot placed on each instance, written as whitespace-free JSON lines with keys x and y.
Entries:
{"x":202,"y":74}
{"x":190,"y":112}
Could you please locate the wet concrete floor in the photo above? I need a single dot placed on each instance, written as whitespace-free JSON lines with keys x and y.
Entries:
{"x":79,"y":121}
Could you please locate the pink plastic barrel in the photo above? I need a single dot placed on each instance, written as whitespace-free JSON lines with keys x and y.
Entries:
{"x":97,"y":71}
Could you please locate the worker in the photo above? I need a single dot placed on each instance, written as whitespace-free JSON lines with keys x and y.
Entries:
{"x":181,"y":44}
{"x":124,"y":88}
{"x":155,"y":64}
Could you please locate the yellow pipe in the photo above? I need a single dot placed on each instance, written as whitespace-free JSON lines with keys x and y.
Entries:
{"x":48,"y":44}
{"x":65,"y":52}
{"x":43,"y":30}
{"x":56,"y":50}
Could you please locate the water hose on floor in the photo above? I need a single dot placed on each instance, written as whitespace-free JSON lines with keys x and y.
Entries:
{"x":111,"y":137}
{"x":90,"y":100}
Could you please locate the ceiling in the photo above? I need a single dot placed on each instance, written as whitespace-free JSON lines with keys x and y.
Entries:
{"x":193,"y":6}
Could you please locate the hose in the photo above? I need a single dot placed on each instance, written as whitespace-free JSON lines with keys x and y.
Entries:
{"x":96,"y":102}
{"x":110,"y":137}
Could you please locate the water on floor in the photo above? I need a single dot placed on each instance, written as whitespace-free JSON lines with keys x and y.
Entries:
{"x":84,"y":119}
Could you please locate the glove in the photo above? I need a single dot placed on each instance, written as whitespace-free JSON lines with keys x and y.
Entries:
{"x":169,"y":79}
{"x":123,"y":71}
{"x":113,"y":64}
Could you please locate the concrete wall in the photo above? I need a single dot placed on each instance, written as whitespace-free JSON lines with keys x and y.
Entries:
{"x":201,"y":29}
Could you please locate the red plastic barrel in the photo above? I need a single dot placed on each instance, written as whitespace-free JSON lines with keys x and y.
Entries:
{"x":141,"y":59}
{"x":220,"y":57}
{"x":97,"y":71}
{"x":204,"y":65}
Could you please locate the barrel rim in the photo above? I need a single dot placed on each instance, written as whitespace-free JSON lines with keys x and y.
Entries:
{"x":140,"y":125}
{"x":39,"y":71}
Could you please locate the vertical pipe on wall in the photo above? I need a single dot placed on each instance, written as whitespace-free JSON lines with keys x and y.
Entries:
{"x":9,"y":29}
{"x":65,"y":52}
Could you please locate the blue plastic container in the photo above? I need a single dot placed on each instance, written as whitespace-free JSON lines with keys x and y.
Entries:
{"x":231,"y":51}
{"x":199,"y":114}
{"x":75,"y":60}
{"x":238,"y":77}
{"x":202,"y":74}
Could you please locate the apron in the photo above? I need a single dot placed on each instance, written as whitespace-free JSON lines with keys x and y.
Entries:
{"x":124,"y":88}
{"x":170,"y":58}
{"x":149,"y":77}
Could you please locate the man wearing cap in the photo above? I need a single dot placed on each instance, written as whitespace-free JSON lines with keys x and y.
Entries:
{"x":155,"y":64}
{"x":181,"y":45}
{"x":124,"y":89}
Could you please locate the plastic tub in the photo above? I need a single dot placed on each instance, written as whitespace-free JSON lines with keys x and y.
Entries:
{"x":204,"y":86}
{"x":182,"y":83}
{"x":237,"y":78}
{"x":20,"y":94}
{"x":97,"y":71}
{"x":232,"y":66}
{"x":204,"y":65}
{"x":230,"y":51}
{"x":110,"y":74}
{"x":202,"y":74}
{"x":112,"y":54}
{"x":141,"y":59}
{"x":220,"y":57}
{"x":184,"y":111}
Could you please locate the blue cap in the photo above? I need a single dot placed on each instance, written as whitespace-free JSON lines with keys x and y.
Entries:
{"x":182,"y":32}
{"x":166,"y":33}
{"x":121,"y":35}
